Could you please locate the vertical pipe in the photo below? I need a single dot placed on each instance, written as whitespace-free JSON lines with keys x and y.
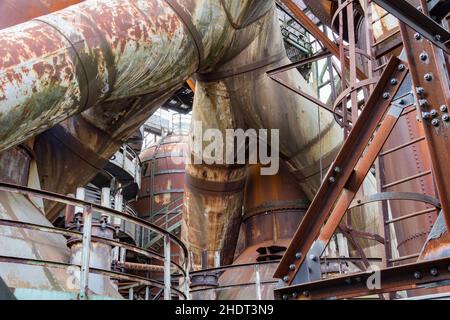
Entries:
{"x":147,"y":293}
{"x":86,"y":251}
{"x":167,"y":293}
{"x":258,"y":283}
{"x":106,"y":202}
{"x":130,"y":293}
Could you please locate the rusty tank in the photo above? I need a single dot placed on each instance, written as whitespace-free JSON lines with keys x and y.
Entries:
{"x":273,"y":208}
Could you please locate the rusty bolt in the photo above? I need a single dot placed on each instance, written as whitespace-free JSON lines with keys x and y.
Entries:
{"x":394,"y":82}
{"x":423,"y":103}
{"x":443,"y":108}
{"x":417,"y":275}
{"x":401,"y":67}
{"x":332,"y":179}
{"x":298,"y":255}
{"x":292,"y":267}
{"x":417,"y":36}
{"x":423,"y":56}
{"x":285,"y":297}
{"x":420,"y":91}
{"x":386,"y":95}
{"x":433,"y":113}
{"x":445,"y":118}
{"x":285,"y":278}
{"x":428,"y":77}
{"x":435,"y":122}
{"x":306,"y":294}
{"x":312,"y":257}
{"x":434,"y":272}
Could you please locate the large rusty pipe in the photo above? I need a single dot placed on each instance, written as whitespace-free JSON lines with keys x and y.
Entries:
{"x":239,"y":94}
{"x":63,"y":63}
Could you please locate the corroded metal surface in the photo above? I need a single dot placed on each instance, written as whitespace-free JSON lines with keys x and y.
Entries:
{"x":163,"y":171}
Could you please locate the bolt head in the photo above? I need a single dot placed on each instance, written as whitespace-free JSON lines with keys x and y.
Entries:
{"x":435,"y":122}
{"x":285,"y":297}
{"x":423,"y":56}
{"x":420,"y":90}
{"x":312,"y":257}
{"x":438,"y":37}
{"x":292,"y":267}
{"x":285,"y":278}
{"x":433,"y":113}
{"x":337,"y":169}
{"x":417,"y":275}
{"x":306,"y":293}
{"x":401,"y":67}
{"x":428,"y":77}
{"x":394,"y":82}
{"x":417,"y":36}
{"x":332,"y":179}
{"x":298,"y":255}
{"x":443,"y":108}
{"x":434,"y":272}
{"x":445,"y":118}
{"x":386,"y":95}
{"x":294,"y":295}
{"x":426,"y":115}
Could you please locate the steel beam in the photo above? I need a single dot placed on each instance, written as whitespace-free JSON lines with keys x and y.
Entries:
{"x":418,"y":21}
{"x":429,"y":79}
{"x":425,"y":274}
{"x":342,"y":181}
{"x":312,"y":28}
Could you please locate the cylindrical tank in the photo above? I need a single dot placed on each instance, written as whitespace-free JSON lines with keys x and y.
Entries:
{"x":162,"y":182}
{"x":273,"y":209}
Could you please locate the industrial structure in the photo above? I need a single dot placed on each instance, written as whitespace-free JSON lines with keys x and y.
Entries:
{"x":101,"y":196}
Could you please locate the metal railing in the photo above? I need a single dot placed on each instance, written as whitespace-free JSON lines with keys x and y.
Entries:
{"x":127,"y":159}
{"x":172,"y":269}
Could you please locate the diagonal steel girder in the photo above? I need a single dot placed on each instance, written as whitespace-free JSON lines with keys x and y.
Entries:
{"x":346,"y":174}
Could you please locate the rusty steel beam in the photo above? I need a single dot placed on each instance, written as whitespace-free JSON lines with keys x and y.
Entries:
{"x":311,"y":27}
{"x":406,"y":277}
{"x":433,"y":96}
{"x":342,"y":180}
{"x":417,"y":20}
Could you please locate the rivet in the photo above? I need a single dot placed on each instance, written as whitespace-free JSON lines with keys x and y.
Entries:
{"x":306,"y":293}
{"x":298,"y":255}
{"x":337,"y":169}
{"x":445,"y":118}
{"x":285,"y":278}
{"x":426,"y":115}
{"x":443,"y":108}
{"x":423,"y":103}
{"x":428,"y":77}
{"x":401,"y":67}
{"x":434,"y":272}
{"x":332,"y":179}
{"x":420,"y":91}
{"x":292,"y":267}
{"x":423,"y":56}
{"x":312,"y":257}
{"x":435,"y":122}
{"x":417,"y":275}
{"x":294,"y":295}
{"x":386,"y":95}
{"x":438,"y":37}
{"x":285,"y":297}
{"x":417,"y":36}
{"x":394,"y":82}
{"x":433,"y":113}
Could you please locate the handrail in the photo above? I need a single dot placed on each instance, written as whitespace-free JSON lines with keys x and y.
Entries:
{"x":86,"y":237}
